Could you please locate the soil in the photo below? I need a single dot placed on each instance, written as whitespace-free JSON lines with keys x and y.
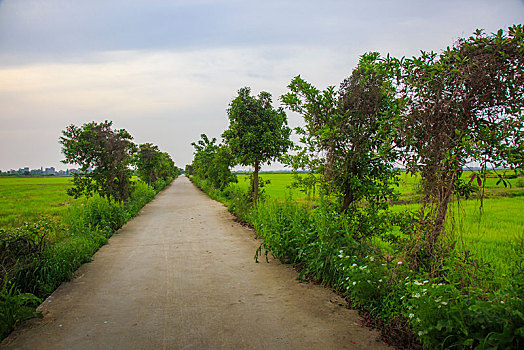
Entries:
{"x":182,"y":275}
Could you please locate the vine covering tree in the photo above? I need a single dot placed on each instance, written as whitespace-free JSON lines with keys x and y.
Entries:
{"x":351,"y":130}
{"x":464,"y":105}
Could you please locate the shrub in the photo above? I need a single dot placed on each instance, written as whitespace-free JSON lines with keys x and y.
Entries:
{"x":15,"y":307}
{"x":445,"y":316}
{"x":20,"y":251}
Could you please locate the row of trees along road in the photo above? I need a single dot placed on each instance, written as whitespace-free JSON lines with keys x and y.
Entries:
{"x":257,"y":134}
{"x":106,"y":157}
{"x":431,"y":114}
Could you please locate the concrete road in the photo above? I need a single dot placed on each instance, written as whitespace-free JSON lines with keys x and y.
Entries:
{"x":181,"y":275}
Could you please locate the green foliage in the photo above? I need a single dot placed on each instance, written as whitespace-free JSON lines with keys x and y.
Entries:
{"x":154,"y":167}
{"x":212,"y":163}
{"x":446,"y":317}
{"x":352,"y":129}
{"x":15,"y":307}
{"x":257,"y":132}
{"x":20,"y":250}
{"x":104,"y":156}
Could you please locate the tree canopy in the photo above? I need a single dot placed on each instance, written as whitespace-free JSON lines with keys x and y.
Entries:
{"x":462,"y":106}
{"x":154,"y":165}
{"x":351,"y":130}
{"x":257,"y":133}
{"x":104,"y":156}
{"x":212,"y":162}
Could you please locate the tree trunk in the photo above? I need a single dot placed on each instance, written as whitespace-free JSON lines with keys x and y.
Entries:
{"x":442,"y":208}
{"x":254,"y":183}
{"x":348,"y":199}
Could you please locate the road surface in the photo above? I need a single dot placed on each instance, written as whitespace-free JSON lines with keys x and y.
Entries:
{"x":181,"y":275}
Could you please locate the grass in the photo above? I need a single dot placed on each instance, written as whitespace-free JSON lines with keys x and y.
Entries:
{"x":27,"y":198}
{"x":278,"y":187}
{"x":409,"y":189}
{"x":493,"y":236}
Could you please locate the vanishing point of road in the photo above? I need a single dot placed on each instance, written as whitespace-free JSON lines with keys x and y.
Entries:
{"x":181,"y":275}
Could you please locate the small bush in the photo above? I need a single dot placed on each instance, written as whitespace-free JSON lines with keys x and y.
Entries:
{"x":15,"y":307}
{"x":20,"y":251}
{"x":445,"y":316}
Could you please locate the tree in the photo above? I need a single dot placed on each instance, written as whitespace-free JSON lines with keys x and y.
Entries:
{"x":212,"y":162}
{"x":167,"y":170}
{"x":104,"y":156}
{"x":153,"y":165}
{"x":148,"y":162}
{"x":257,"y":132}
{"x":351,"y":130}
{"x":464,"y":105}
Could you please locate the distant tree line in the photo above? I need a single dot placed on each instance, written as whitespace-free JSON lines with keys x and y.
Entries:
{"x":108,"y":159}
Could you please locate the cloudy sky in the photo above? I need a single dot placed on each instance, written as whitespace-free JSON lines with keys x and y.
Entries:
{"x":167,"y":70}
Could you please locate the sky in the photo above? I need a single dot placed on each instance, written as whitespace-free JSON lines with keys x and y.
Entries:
{"x":166,"y":71}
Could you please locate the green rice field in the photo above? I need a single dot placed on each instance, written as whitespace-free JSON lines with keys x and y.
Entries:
{"x":27,"y":198}
{"x":493,"y":235}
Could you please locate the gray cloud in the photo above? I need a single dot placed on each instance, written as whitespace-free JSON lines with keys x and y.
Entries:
{"x":166,"y":70}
